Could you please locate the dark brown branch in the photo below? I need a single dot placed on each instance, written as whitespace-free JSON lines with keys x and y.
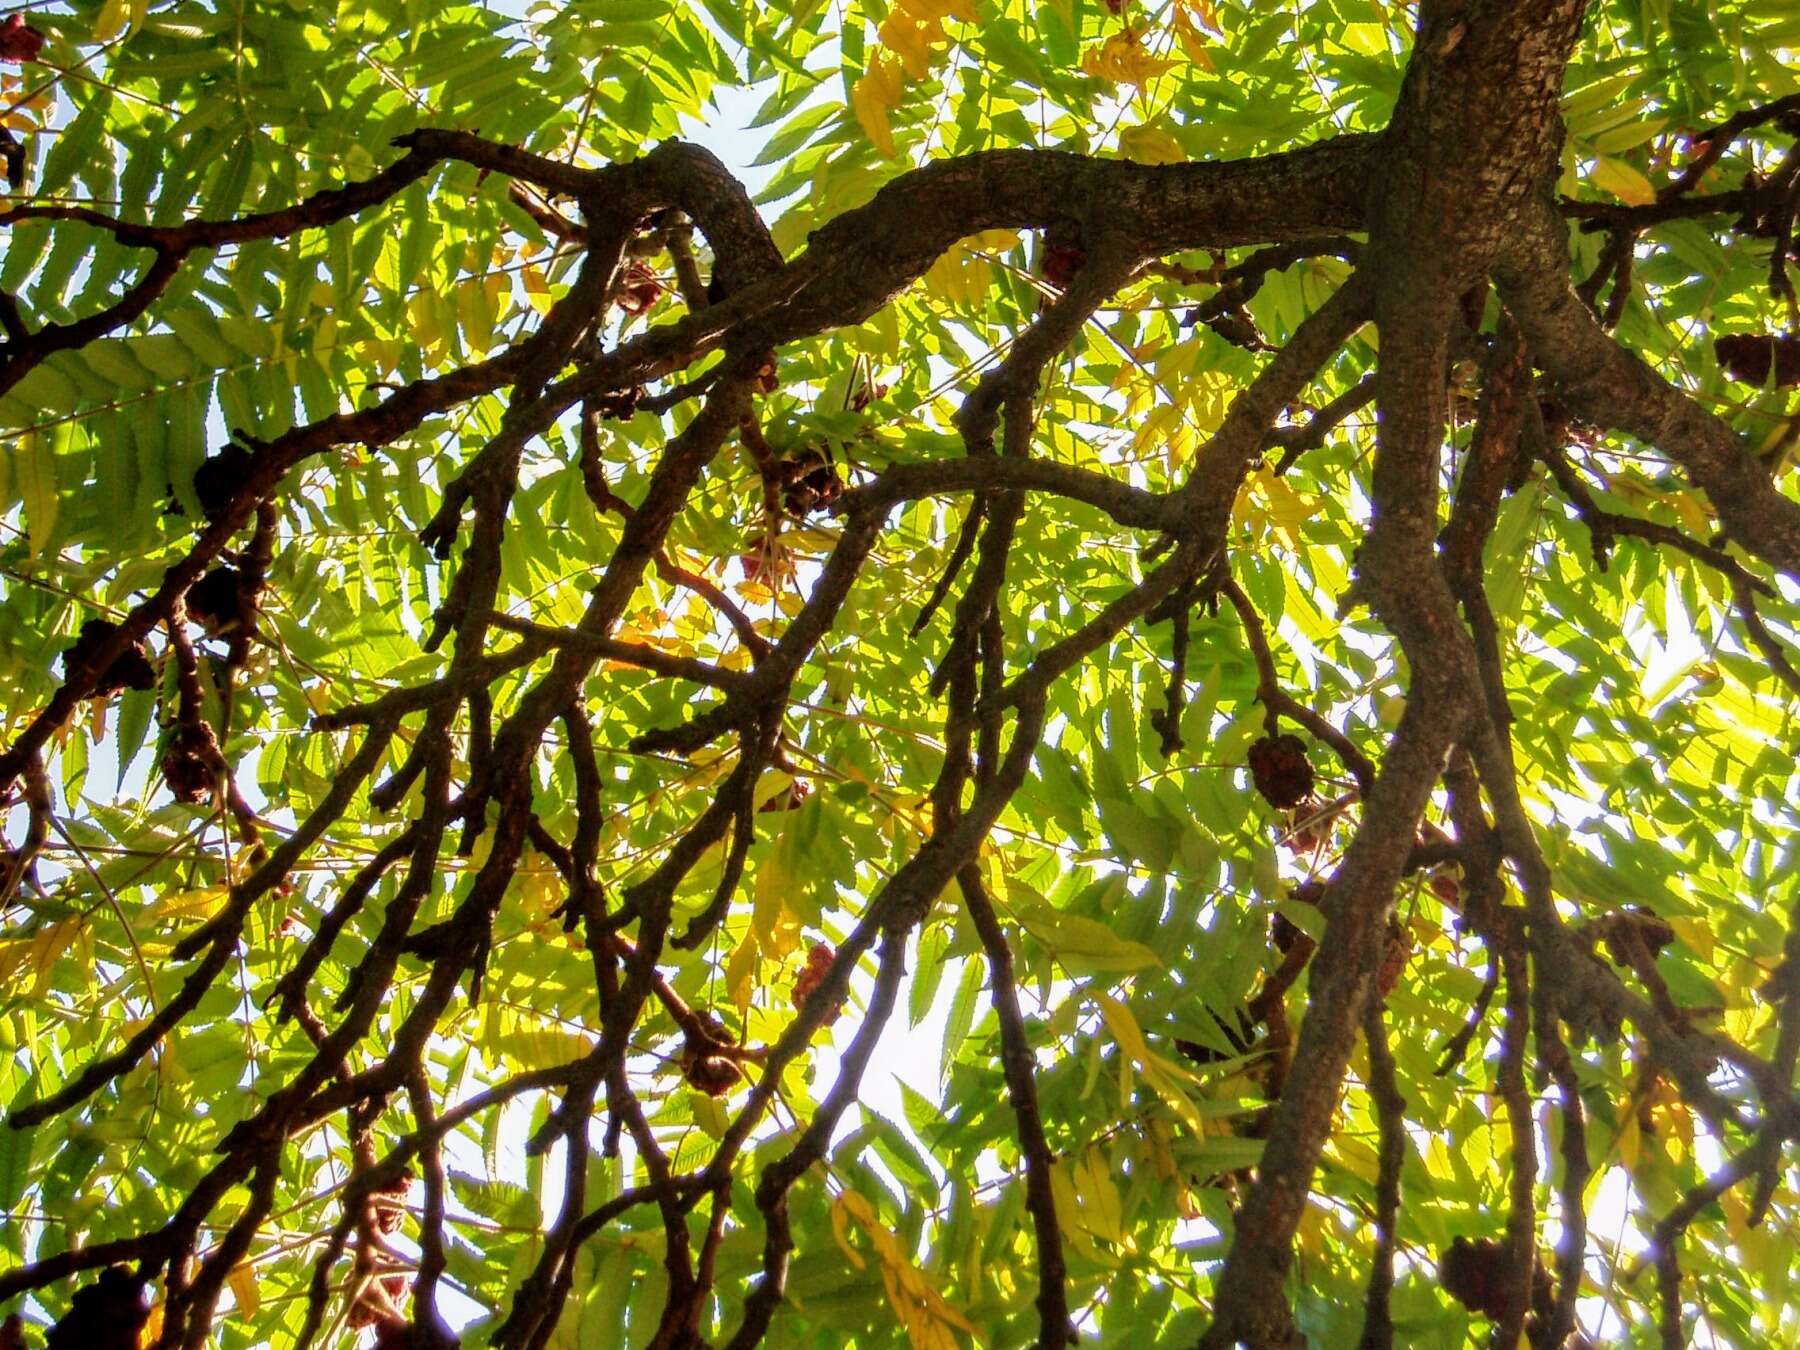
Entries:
{"x":779,"y":1177}
{"x":1296,"y":441}
{"x":1620,"y":215}
{"x":625,"y":653}
{"x":1666,"y":1236}
{"x":1239,"y":283}
{"x":1390,"y":1118}
{"x":1521,"y":1219}
{"x":1019,"y":1064}
{"x":1603,"y":383}
{"x":1130,"y":506}
{"x":1279,"y":703}
{"x":1571,"y":1250}
{"x":1458,"y":1045}
{"x":1468,"y":160}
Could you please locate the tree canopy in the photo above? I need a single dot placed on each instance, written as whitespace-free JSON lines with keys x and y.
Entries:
{"x":1221,"y":578}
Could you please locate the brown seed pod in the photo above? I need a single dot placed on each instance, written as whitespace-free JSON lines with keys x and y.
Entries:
{"x":790,"y":798}
{"x":1307,"y":827}
{"x":220,"y":478}
{"x":130,"y":670}
{"x":866,"y":394}
{"x":216,"y":601}
{"x":376,"y":1304}
{"x":812,"y":482}
{"x":1751,"y":357}
{"x":1474,"y":1274}
{"x":640,"y":289}
{"x":187,"y":764}
{"x":1643,"y":923}
{"x":1281,"y":771}
{"x":818,"y":963}
{"x":19,"y":41}
{"x":1061,"y":263}
{"x":396,"y":1333}
{"x":105,"y":1315}
{"x":386,"y":1202}
{"x":1283,"y":932}
{"x":1236,"y":327}
{"x":712,"y":1074}
{"x":1446,"y":885}
{"x":618,"y":405}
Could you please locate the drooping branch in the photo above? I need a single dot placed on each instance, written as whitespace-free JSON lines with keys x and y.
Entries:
{"x":1019,"y":1064}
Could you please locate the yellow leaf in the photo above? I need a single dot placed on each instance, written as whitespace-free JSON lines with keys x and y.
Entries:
{"x":925,"y":10}
{"x":476,"y":313}
{"x":1247,"y":513}
{"x":840,"y":1211}
{"x":773,"y":924}
{"x":1623,"y":181}
{"x":1162,"y":1076}
{"x":924,"y":1312}
{"x":201,"y":903}
{"x":46,"y":947}
{"x":1162,"y":1150}
{"x":1068,"y":1214}
{"x":872,"y":113}
{"x":1100,"y":1198}
{"x":1121,"y":59}
{"x":1288,"y":510}
{"x":1311,"y":1232}
{"x":1155,"y":427}
{"x":1630,"y":1141}
{"x":13,"y":952}
{"x":422,"y":318}
{"x":1151,"y":145}
{"x":537,"y":287}
{"x":542,"y":1047}
{"x":911,"y":42}
{"x":740,"y":970}
{"x":242,"y":1280}
{"x":111,"y":20}
{"x":1697,"y":933}
{"x":1265,"y":501}
{"x":959,"y":276}
{"x":1694,"y":517}
{"x":1356,"y":1157}
{"x":1193,"y":41}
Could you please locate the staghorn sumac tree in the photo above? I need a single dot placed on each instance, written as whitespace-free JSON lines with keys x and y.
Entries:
{"x":1214,"y":582}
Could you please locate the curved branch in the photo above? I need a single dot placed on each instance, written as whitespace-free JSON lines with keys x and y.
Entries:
{"x":1605,"y":384}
